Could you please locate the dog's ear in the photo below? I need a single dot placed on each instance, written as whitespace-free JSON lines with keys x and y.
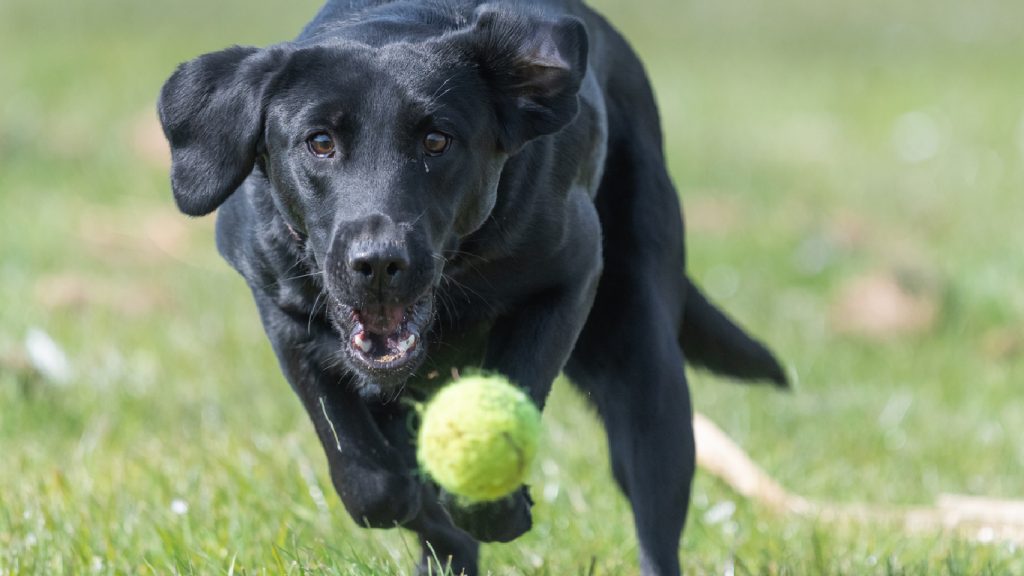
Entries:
{"x":211,"y":109}
{"x":534,"y":67}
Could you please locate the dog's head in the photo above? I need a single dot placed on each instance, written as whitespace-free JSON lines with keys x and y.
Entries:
{"x":381,"y":155}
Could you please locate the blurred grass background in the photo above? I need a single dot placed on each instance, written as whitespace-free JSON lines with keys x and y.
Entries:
{"x":852,"y":178}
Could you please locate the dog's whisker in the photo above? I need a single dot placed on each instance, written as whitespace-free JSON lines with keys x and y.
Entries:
{"x":336,"y":360}
{"x":301,"y":276}
{"x":467,"y":291}
{"x":284,"y":279}
{"x":465,"y":254}
{"x":444,"y":300}
{"x":418,"y":218}
{"x":393,"y":397}
{"x":312,"y":311}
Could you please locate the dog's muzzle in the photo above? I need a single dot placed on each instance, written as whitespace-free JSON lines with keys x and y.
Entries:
{"x":380,"y":277}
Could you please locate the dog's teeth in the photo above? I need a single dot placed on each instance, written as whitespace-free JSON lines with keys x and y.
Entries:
{"x":404,"y":345}
{"x":362,"y":343}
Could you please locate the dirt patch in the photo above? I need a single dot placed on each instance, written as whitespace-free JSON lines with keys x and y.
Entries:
{"x":138,"y":235}
{"x":884,"y":305}
{"x":75,"y":292}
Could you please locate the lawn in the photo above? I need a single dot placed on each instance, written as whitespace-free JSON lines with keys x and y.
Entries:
{"x":853,"y":180}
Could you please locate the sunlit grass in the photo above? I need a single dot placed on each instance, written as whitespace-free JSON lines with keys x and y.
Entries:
{"x":814,"y":143}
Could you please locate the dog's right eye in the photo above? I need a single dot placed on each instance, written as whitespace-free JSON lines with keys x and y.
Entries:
{"x":321,"y":145}
{"x":435,"y":143}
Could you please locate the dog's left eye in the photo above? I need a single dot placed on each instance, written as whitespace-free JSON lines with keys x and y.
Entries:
{"x":435,"y":143}
{"x":321,"y":145}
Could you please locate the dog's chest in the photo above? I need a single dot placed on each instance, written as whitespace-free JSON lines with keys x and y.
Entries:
{"x":453,"y":350}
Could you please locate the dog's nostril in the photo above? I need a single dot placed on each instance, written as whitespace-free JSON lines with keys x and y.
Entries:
{"x":363,"y":267}
{"x":378,"y":267}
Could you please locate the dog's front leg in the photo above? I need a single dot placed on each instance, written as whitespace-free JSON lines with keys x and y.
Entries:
{"x":529,"y":346}
{"x":368,"y":474}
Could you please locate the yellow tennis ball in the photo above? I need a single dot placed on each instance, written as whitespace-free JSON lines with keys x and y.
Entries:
{"x":478,"y":437}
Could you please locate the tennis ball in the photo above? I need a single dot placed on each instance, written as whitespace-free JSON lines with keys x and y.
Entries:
{"x":478,"y":437}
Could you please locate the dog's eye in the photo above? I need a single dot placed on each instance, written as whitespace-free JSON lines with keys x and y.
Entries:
{"x":435,"y":143}
{"x":321,"y":145}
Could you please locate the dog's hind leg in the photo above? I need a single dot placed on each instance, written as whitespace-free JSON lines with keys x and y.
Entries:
{"x":627,"y":360}
{"x":628,"y":363}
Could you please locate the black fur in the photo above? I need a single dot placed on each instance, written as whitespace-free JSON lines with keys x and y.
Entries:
{"x":545,"y":237}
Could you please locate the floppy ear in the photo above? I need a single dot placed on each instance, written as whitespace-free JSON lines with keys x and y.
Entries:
{"x":534,"y":67}
{"x":211,"y":109}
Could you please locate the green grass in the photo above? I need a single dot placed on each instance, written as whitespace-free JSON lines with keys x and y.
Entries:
{"x":784,"y":128}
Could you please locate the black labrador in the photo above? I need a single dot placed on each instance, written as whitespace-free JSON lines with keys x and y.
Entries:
{"x":414,"y":186}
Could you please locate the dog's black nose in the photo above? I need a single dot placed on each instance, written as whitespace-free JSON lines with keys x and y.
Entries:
{"x":375,"y":264}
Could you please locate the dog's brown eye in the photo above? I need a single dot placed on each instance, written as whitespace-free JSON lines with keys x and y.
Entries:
{"x":435,"y":143}
{"x":321,"y":145}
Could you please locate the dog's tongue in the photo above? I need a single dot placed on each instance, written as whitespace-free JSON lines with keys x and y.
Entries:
{"x":383,"y":320}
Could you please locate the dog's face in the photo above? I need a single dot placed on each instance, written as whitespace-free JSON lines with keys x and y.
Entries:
{"x":382,"y":157}
{"x":382,"y":167}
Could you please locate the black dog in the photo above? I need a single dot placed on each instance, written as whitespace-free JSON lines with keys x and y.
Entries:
{"x":414,"y":186}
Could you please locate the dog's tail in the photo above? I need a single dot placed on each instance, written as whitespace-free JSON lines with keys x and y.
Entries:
{"x":711,"y":340}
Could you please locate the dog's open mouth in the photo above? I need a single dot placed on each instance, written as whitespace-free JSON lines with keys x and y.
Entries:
{"x":388,"y":337}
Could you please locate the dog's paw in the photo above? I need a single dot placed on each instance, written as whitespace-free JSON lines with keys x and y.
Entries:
{"x":382,"y":500}
{"x":499,"y":521}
